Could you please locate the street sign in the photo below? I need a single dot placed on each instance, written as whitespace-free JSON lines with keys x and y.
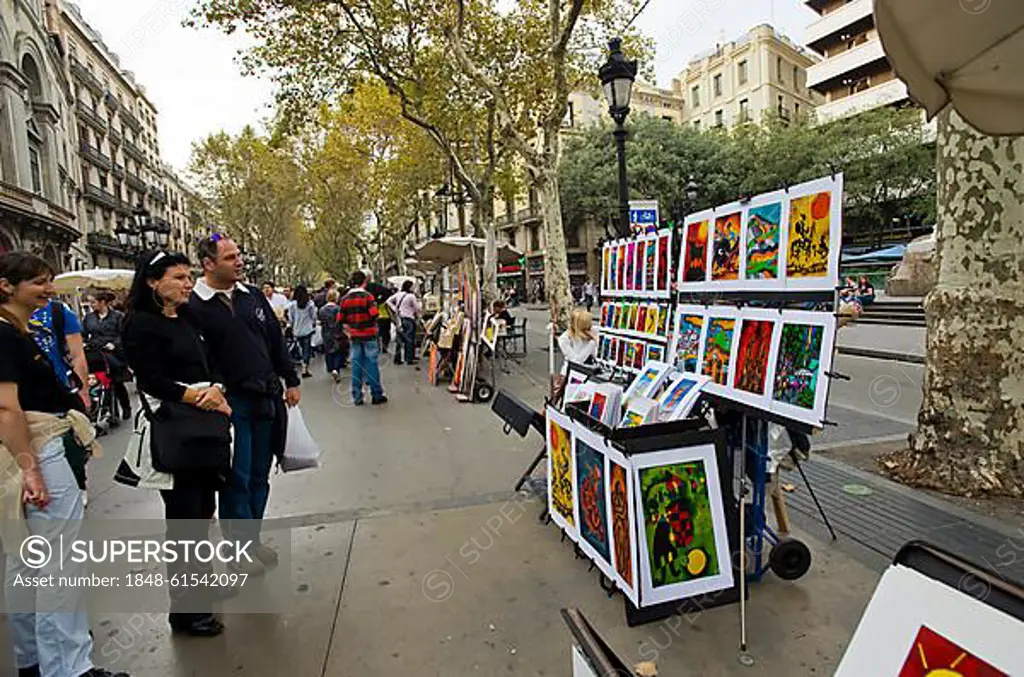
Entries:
{"x":643,"y":216}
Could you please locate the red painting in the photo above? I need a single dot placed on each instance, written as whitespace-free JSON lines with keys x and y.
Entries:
{"x":621,"y":522}
{"x":695,"y":259}
{"x":932,"y":655}
{"x":663,"y":263}
{"x":622,"y":268}
{"x":752,"y":357}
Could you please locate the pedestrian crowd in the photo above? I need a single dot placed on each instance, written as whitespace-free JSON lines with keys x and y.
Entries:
{"x":217,"y":364}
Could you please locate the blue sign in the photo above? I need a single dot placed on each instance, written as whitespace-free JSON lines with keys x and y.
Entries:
{"x":643,"y":216}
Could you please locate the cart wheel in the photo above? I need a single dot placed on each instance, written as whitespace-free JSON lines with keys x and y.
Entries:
{"x":484,"y":392}
{"x":790,"y":559}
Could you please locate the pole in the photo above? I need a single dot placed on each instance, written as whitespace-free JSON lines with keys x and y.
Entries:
{"x":620,"y":142}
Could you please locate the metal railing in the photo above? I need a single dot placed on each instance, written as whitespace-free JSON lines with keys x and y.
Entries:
{"x":134,"y":151}
{"x":80,"y":71}
{"x":101,"y":196}
{"x":91,"y":117}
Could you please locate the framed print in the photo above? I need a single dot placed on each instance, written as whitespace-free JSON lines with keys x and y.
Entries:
{"x":800,"y":384}
{"x":756,"y":339}
{"x":719,"y":346}
{"x":561,"y":472}
{"x":623,"y":255}
{"x":684,"y":541}
{"x":687,"y":344}
{"x":655,"y":352}
{"x":681,"y":393}
{"x":593,"y":514}
{"x":648,"y":381}
{"x":623,"y":524}
{"x":662,"y":285}
{"x":725,"y":253}
{"x":639,"y":411}
{"x":764,"y":240}
{"x":693,"y":264}
{"x":814,"y":234}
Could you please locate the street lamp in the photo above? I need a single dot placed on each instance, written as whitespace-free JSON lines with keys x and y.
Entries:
{"x":617,"y":77}
{"x":691,"y":191}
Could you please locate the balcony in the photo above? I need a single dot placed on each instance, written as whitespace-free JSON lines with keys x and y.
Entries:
{"x":784,"y":114}
{"x":128,"y":118}
{"x":100,"y":196}
{"x":527,"y":214}
{"x":104,"y":243}
{"x":91,"y":117}
{"x":124,"y":208}
{"x":884,"y":94}
{"x":118,"y":171}
{"x":83,"y":75}
{"x":135,"y":182}
{"x":134,"y":152}
{"x":834,"y":22}
{"x":158,"y":194}
{"x":114,"y":136}
{"x":837,"y":66}
{"x":94,"y":156}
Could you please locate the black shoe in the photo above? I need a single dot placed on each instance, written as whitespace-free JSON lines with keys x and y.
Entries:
{"x":207,"y":626}
{"x":306,"y":374}
{"x":358,"y":403}
{"x":127,"y":415}
{"x":399,"y":363}
{"x":29,"y":672}
{"x":101,"y":672}
{"x":383,"y":399}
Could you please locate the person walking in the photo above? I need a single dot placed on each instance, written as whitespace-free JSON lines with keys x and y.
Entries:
{"x":246,"y":343}
{"x":103,"y":348}
{"x":36,"y":414}
{"x":384,"y":319}
{"x":320,"y":298}
{"x":165,"y":350}
{"x":335,"y":341}
{"x":302,"y":318}
{"x":407,"y":308}
{"x":278,"y":301}
{"x":358,"y":316}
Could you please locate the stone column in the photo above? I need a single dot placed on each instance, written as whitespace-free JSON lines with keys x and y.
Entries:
{"x":13,"y":130}
{"x":46,"y":120}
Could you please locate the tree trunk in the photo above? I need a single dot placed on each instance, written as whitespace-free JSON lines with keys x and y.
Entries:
{"x":485,"y":217}
{"x":970,"y":439}
{"x":556,"y":262}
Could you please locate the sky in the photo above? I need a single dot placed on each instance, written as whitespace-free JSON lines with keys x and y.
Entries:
{"x":193,"y":78}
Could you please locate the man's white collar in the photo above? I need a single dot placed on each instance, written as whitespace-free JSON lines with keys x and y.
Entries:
{"x":203,"y":290}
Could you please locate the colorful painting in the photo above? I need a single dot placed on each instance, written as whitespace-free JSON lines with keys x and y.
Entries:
{"x":630,"y":353}
{"x":590,"y":480}
{"x":664,"y":245}
{"x":560,"y":454}
{"x":718,"y":349}
{"x":695,"y":259}
{"x":810,"y":224}
{"x":641,"y":319}
{"x":725,"y":257}
{"x":932,"y":655}
{"x":656,"y":353}
{"x":632,"y":419}
{"x":621,"y":268}
{"x":688,"y":345}
{"x":678,"y":523}
{"x":663,"y":312}
{"x":798,"y":364}
{"x":651,"y":266}
{"x":639,"y":354}
{"x":621,"y":524}
{"x":638,"y":269}
{"x":630,"y":260}
{"x":597,"y":406}
{"x":606,"y":267}
{"x":763,"y":241}
{"x":752,"y":356}
{"x":651,"y":321}
{"x":677,"y":393}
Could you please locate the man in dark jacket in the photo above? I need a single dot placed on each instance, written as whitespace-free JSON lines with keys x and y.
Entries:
{"x":103,"y":349}
{"x":247,"y":345}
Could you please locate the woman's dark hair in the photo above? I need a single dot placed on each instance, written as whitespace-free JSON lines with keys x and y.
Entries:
{"x":18,"y":267}
{"x":301,"y":296}
{"x":407,"y":286}
{"x":152,"y":265}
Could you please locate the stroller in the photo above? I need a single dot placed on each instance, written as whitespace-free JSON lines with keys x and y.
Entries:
{"x":103,"y":407}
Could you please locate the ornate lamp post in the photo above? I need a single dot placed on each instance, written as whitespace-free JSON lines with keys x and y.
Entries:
{"x":617,"y":77}
{"x":140,"y":233}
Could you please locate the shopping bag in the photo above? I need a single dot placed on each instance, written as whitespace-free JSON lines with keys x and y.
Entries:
{"x":300,"y":449}
{"x":136,"y":468}
{"x":318,"y":337}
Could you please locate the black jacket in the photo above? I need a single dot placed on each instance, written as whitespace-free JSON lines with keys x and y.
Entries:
{"x":245,"y":342}
{"x":99,"y":332}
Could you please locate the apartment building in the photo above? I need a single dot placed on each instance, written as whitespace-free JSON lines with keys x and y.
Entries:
{"x":37,"y":158}
{"x":854,"y":74}
{"x":740,"y":81}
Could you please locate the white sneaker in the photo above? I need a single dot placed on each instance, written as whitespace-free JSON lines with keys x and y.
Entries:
{"x":85,"y":499}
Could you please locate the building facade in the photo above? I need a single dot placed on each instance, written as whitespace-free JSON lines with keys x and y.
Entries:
{"x":38,"y":173}
{"x":854,"y":74}
{"x":741,"y":81}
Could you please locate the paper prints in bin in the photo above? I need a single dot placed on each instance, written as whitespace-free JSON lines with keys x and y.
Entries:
{"x":648,"y":380}
{"x":679,"y":396}
{"x":639,"y":411}
{"x":606,"y":404}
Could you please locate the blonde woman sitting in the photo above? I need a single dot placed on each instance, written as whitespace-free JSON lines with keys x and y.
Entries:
{"x":578,"y":343}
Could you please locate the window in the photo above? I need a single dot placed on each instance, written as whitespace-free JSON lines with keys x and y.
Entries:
{"x":718,"y":118}
{"x":741,"y":72}
{"x":718,"y":84}
{"x":669,"y":118}
{"x":572,"y":240}
{"x":695,"y":97}
{"x":570,"y":116}
{"x":534,"y":238}
{"x":696,"y":124}
{"x":744,"y":110}
{"x":511,"y":235}
{"x":778,"y":68}
{"x":796,"y":110}
{"x":796,"y":77}
{"x":37,"y":172}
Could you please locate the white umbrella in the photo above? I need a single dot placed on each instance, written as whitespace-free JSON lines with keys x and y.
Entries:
{"x":397,"y":281}
{"x":104,"y":278}
{"x":447,"y":251}
{"x":966,"y":52}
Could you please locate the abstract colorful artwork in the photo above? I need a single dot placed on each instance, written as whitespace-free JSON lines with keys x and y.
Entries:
{"x":663,"y":313}
{"x":798,"y":366}
{"x":932,"y":655}
{"x":678,"y":523}
{"x":725,"y":256}
{"x":664,"y":246}
{"x":645,"y":252}
{"x":610,"y":261}
{"x":621,"y":282}
{"x":752,"y":355}
{"x":688,"y":342}
{"x":680,"y":395}
{"x":590,"y":480}
{"x":641,"y":319}
{"x":809,"y":246}
{"x":763,"y":241}
{"x":597,"y":406}
{"x":656,"y":352}
{"x":695,"y":257}
{"x":651,"y":320}
{"x":639,"y":355}
{"x":561,"y":471}
{"x":621,"y":523}
{"x":630,"y":265}
{"x":718,"y":349}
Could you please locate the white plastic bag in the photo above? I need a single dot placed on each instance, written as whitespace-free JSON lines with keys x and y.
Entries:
{"x":300,"y":449}
{"x":136,"y":468}
{"x":318,"y":337}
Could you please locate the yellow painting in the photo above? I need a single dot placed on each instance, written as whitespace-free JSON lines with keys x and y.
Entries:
{"x":810,"y":225}
{"x":561,"y":472}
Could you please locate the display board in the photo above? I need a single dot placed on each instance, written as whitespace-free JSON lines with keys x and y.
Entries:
{"x":639,"y":267}
{"x":774,"y":360}
{"x":786,"y":240}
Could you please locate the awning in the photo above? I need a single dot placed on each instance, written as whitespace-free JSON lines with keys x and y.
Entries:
{"x":894,"y":253}
{"x":447,"y":251}
{"x":102,"y":278}
{"x":968,"y":53}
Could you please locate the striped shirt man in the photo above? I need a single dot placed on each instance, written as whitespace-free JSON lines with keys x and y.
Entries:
{"x":359,"y":315}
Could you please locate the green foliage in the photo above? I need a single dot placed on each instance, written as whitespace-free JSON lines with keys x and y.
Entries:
{"x":889,"y":166}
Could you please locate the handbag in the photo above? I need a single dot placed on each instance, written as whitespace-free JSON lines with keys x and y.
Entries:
{"x":183,"y":437}
{"x":136,"y":468}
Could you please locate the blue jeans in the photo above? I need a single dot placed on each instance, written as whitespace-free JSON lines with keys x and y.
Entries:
{"x":59,"y":643}
{"x":335,"y":360}
{"x":243,"y":499}
{"x":305,"y":348}
{"x":365,"y":370}
{"x":408,"y":338}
